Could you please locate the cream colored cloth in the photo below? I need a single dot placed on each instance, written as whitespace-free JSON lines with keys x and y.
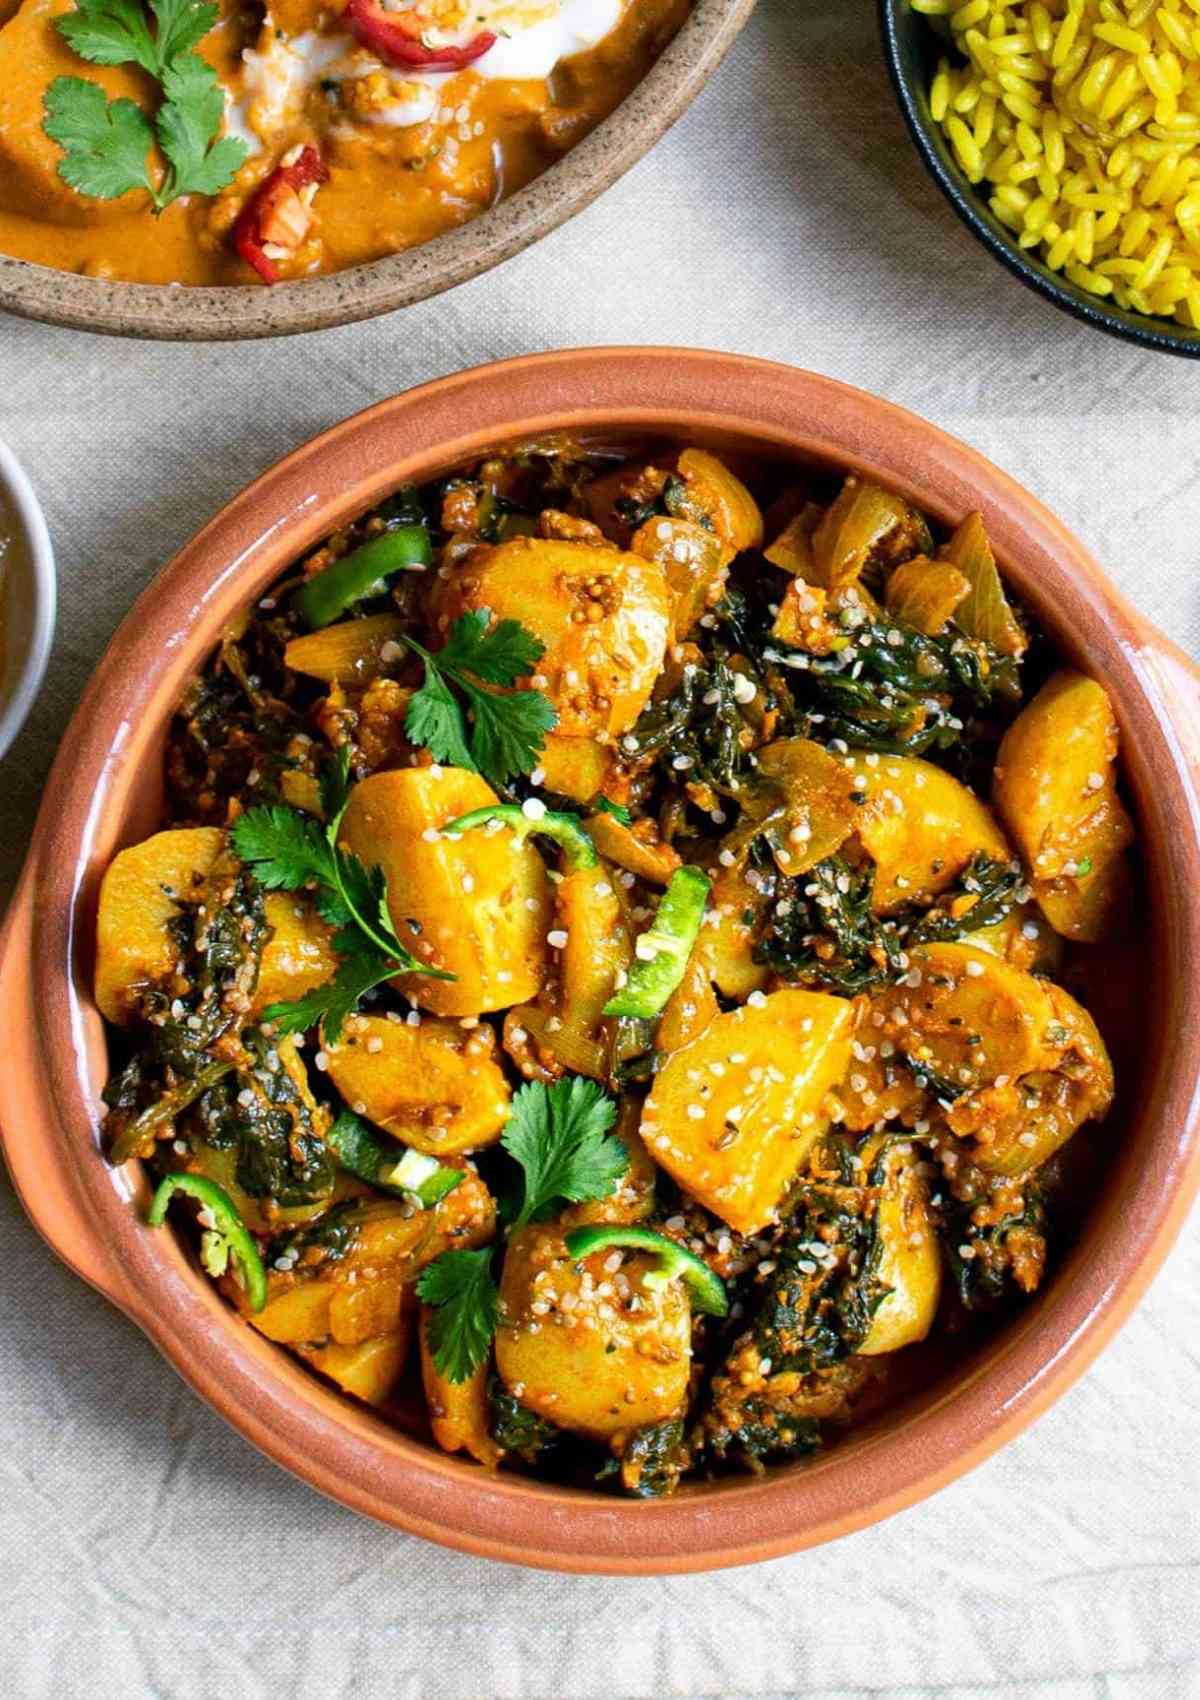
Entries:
{"x":145,"y":1549}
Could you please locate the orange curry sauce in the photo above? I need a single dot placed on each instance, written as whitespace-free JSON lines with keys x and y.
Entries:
{"x":391,"y":184}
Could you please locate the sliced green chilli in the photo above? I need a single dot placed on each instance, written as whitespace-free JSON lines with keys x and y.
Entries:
{"x":675,"y":1262}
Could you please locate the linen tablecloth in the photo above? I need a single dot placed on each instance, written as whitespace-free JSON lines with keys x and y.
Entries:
{"x":145,"y":1549}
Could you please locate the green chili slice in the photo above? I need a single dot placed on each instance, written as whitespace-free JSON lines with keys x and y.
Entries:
{"x":664,"y":948}
{"x":327,"y":595}
{"x":675,"y":1262}
{"x":566,"y":830}
{"x":225,"y":1234}
{"x":363,"y":1154}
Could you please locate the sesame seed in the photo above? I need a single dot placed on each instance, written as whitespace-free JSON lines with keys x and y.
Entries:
{"x":374,"y":1044}
{"x":322,"y":1060}
{"x":756,"y":1000}
{"x":744,"y":689}
{"x":468,"y":882}
{"x":431,"y":835}
{"x":533,"y":808}
{"x":538,"y":776}
{"x":413,"y":1018}
{"x":726,"y":858}
{"x":557,"y":939}
{"x":975,"y":969}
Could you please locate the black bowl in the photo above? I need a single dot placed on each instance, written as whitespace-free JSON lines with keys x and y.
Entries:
{"x":912,"y":48}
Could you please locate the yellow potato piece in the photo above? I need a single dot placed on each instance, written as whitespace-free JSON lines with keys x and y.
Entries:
{"x":727,"y":939}
{"x":458,"y":1410}
{"x":134,"y":947}
{"x":568,"y":1020}
{"x":318,"y":1302}
{"x":597,"y":1363}
{"x":816,"y":789}
{"x":299,"y":953}
{"x":138,"y":895}
{"x":346,"y":653}
{"x":920,"y":827}
{"x":477,"y":906}
{"x":369,"y":1370}
{"x":1020,"y":1125}
{"x":695,"y":563}
{"x":1055,"y":788}
{"x":732,"y":1116}
{"x":435,"y":1087}
{"x":574,"y":767}
{"x":599,"y":668}
{"x":910,"y":1263}
{"x":734,"y":513}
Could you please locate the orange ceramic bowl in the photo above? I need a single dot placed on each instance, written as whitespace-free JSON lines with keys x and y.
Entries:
{"x":105,"y":792}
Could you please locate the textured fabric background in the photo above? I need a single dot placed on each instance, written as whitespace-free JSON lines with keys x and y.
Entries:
{"x":146,"y":1550}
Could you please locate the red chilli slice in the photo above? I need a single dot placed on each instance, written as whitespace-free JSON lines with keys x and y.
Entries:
{"x":276,"y":214}
{"x":395,"y":37}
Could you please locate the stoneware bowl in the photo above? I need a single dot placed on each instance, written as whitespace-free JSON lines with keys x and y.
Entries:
{"x":363,"y":292}
{"x":27,"y":596}
{"x":105,"y":792}
{"x":912,"y":49}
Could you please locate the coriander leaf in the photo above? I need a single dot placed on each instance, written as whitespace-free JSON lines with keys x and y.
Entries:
{"x":435,"y":720}
{"x":181,"y":23}
{"x":110,"y":32}
{"x":285,"y":848}
{"x":462,"y":1290}
{"x":365,"y":893}
{"x":330,"y":1003}
{"x":335,"y":785}
{"x":508,"y":731}
{"x":499,"y":657}
{"x":187,"y":123}
{"x":105,"y":142}
{"x":559,"y":1135}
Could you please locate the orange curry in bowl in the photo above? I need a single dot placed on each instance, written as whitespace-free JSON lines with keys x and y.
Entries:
{"x":183,"y":142}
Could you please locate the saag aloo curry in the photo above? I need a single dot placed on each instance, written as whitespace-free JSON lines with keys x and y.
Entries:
{"x":603,"y":973}
{"x":178,"y":141}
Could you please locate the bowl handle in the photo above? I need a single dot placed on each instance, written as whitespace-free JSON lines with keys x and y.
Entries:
{"x":44,"y":1177}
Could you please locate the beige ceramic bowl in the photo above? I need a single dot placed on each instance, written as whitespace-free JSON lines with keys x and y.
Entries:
{"x":105,"y":792}
{"x":363,"y":292}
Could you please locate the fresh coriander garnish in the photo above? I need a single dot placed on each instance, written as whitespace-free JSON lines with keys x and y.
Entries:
{"x":498,"y":733}
{"x":107,"y":143}
{"x":290,"y":851}
{"x":560,"y":1137}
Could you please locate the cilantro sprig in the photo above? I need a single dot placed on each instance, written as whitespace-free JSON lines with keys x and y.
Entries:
{"x":499,"y":732}
{"x":559,"y":1135}
{"x":107,"y":143}
{"x":290,"y":851}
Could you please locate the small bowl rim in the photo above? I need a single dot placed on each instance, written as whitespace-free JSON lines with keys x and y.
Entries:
{"x":246,"y":312}
{"x":88,"y":1211}
{"x":1137,"y":328}
{"x":20,"y":698}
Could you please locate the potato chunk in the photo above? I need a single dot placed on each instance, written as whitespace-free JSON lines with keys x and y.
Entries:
{"x":910,"y":1260}
{"x":1055,"y":789}
{"x":347,"y":653}
{"x":139,"y":899}
{"x":435,"y":1087}
{"x":458,"y":1410}
{"x":594,"y":1361}
{"x":1026,"y":1062}
{"x":138,"y":896}
{"x":567,"y":1023}
{"x":390,"y":1244}
{"x":732,"y":1116}
{"x":603,"y":615}
{"x":368,"y":1371}
{"x":723,"y":498}
{"x":695,"y":562}
{"x":478,"y":906}
{"x":920,"y":827}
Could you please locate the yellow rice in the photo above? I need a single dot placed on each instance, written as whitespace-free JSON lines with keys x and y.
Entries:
{"x":1082,"y":118}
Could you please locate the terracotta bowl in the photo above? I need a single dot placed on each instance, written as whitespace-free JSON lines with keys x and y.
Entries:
{"x":363,"y":292}
{"x":105,"y":792}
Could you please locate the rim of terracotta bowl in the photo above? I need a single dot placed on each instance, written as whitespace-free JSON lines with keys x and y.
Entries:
{"x":29,"y":622}
{"x":184,"y":314}
{"x":105,"y":790}
{"x":908,"y":47}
